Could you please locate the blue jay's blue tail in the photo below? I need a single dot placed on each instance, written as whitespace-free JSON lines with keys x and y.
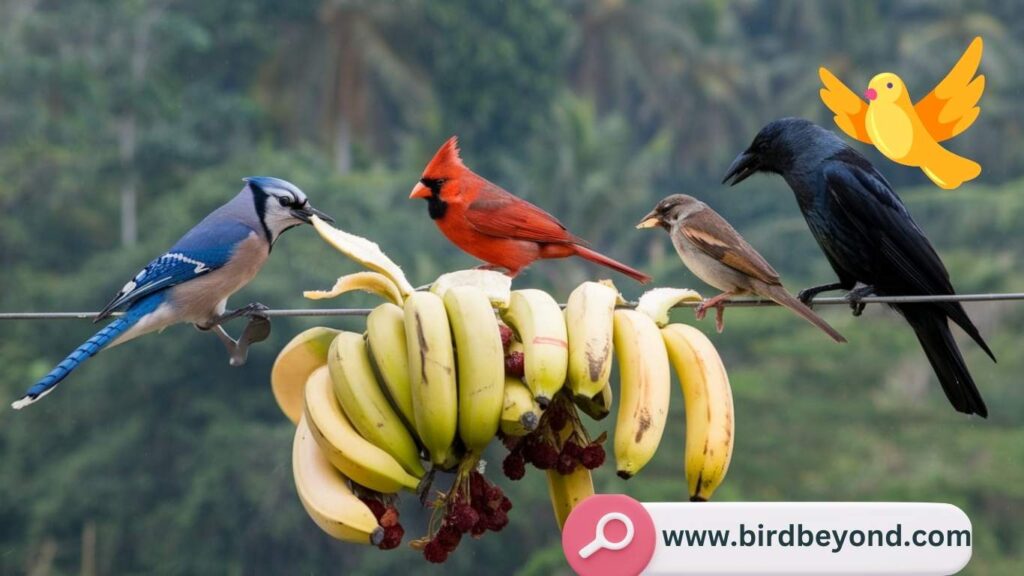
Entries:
{"x":91,"y":346}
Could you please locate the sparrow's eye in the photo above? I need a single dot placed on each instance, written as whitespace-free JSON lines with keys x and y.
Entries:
{"x":889,"y":85}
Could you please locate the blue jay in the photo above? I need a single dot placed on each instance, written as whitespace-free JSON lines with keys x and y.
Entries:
{"x":193,"y":280}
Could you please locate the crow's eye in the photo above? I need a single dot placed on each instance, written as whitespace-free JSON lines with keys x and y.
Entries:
{"x":283,"y":201}
{"x":889,"y":85}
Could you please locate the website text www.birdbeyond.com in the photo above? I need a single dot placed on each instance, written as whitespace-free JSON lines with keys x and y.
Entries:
{"x":614,"y":534}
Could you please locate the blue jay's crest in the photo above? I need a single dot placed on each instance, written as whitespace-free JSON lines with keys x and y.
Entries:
{"x":278,"y":188}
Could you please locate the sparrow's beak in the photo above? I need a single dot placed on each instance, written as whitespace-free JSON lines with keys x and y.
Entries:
{"x":420,"y":191}
{"x":307,"y":212}
{"x":741,"y":168}
{"x":649,"y":221}
{"x":870,"y":94}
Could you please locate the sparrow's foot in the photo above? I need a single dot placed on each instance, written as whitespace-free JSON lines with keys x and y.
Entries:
{"x":807,"y":294}
{"x":718,"y":303}
{"x":855,"y":297}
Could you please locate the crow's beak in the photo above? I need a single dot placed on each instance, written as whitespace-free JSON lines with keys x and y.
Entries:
{"x":741,"y":168}
{"x":649,"y":221}
{"x":307,"y":212}
{"x":420,"y":191}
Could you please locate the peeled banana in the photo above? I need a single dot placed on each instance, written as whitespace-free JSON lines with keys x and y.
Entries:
{"x":356,"y":458}
{"x":364,"y":402}
{"x":385,"y":341}
{"x":538,"y":320}
{"x":298,"y":359}
{"x":481,"y":365}
{"x":588,"y":319}
{"x":520,"y":413}
{"x":326,"y":496}
{"x":432,"y":369}
{"x":644,"y":383}
{"x":709,"y":409}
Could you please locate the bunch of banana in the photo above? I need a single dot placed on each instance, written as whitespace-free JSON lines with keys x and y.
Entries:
{"x":709,"y":411}
{"x":540,"y":325}
{"x":436,"y":377}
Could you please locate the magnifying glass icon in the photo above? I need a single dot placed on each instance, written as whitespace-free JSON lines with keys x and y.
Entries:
{"x":601,"y":541}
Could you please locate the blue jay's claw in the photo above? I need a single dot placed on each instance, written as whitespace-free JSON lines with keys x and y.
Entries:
{"x":855,"y":296}
{"x":257,"y":330}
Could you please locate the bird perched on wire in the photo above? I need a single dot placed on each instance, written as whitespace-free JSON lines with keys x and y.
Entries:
{"x":716,"y":253}
{"x":869,"y":238}
{"x":491,"y":224}
{"x":193,"y":280}
{"x":910,"y":133}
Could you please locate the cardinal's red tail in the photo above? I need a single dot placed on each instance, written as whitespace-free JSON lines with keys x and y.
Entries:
{"x":603,"y":260}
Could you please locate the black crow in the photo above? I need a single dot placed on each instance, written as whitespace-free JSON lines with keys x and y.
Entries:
{"x":869,"y":238}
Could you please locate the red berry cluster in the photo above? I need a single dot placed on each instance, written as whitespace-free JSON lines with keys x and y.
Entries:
{"x":544,"y":451}
{"x":515,"y":362}
{"x":387,"y":517}
{"x":485,"y":509}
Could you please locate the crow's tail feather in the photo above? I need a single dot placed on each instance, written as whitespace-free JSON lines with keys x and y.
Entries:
{"x":932,"y":329}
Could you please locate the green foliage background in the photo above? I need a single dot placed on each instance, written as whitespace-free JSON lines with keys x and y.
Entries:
{"x":157,"y":458}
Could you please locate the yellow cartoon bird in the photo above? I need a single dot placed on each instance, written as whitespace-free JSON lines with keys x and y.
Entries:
{"x":910,"y":133}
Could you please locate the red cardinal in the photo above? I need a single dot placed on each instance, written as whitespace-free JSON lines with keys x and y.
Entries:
{"x":486,"y":221}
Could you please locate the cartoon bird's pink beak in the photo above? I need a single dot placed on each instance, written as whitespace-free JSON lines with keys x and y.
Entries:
{"x":870,"y":94}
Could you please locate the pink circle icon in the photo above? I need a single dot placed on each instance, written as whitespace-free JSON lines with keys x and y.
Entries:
{"x":608,"y":535}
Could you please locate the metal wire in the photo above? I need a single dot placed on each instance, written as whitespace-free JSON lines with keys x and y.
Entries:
{"x":739,"y":302}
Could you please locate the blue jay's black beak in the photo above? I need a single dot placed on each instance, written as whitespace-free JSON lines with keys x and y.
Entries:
{"x":741,"y":168}
{"x":307,"y":212}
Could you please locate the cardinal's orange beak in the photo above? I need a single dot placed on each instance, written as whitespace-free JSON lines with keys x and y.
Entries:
{"x":420,"y":191}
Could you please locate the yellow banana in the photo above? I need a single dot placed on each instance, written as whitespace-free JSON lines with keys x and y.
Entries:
{"x":356,"y":458}
{"x":364,"y":402}
{"x":385,"y":341}
{"x":299,"y":358}
{"x":566,"y":491}
{"x":326,"y":496}
{"x":588,"y":319}
{"x":481,"y":364}
{"x":520,"y":413}
{"x":644,"y":390}
{"x":597,"y":407}
{"x":709,"y":410}
{"x":432,"y":371}
{"x":540,"y":325}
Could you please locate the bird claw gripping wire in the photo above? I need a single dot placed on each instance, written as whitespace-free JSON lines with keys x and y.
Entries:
{"x":855,"y":298}
{"x":807,"y":294}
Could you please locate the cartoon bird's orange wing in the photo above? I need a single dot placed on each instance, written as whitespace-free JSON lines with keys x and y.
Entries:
{"x":849,"y":108}
{"x":952,"y":106}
